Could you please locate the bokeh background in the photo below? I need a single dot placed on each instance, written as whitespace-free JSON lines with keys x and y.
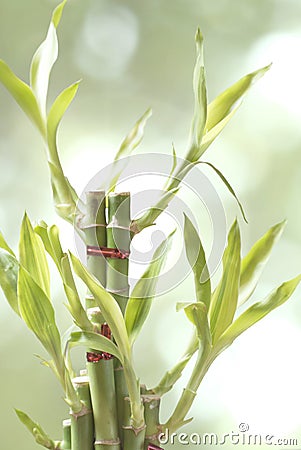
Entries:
{"x":132,"y":55}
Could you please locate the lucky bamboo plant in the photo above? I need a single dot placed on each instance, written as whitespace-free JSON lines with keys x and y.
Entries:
{"x":109,"y":406}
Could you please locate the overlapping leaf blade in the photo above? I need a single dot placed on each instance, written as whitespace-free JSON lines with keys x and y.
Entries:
{"x":9,"y":268}
{"x":258,"y":311}
{"x":33,"y":256}
{"x":95,"y":341}
{"x":23,"y":95}
{"x":38,"y":314}
{"x":200,"y":103}
{"x":108,"y":306}
{"x":254,"y":262}
{"x":142,"y":296}
{"x":197,"y":260}
{"x":225,"y":297}
{"x":224,"y":103}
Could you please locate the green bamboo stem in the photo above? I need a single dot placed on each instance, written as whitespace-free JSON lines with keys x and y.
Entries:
{"x":95,"y":235}
{"x":133,"y":439}
{"x":101,"y":375}
{"x":118,"y":236}
{"x":82,"y":427}
{"x":66,"y":442}
{"x":152,"y":420}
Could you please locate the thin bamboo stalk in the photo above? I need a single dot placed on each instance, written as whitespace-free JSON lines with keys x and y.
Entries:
{"x":152,"y":420}
{"x":66,"y":442}
{"x":133,"y":439}
{"x":82,"y":427}
{"x":95,"y":236}
{"x":118,"y":236}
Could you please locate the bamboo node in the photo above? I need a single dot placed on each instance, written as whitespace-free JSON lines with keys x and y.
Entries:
{"x":108,"y":442}
{"x":107,"y":252}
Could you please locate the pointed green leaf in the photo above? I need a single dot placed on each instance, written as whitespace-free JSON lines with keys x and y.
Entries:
{"x":33,"y":256}
{"x":212,"y":134}
{"x":51,"y":241}
{"x":128,"y":145}
{"x":107,"y":304}
{"x":200,"y":103}
{"x":197,"y":314}
{"x":224,"y":299}
{"x":38,"y":314}
{"x":172,"y":376}
{"x":56,"y":113}
{"x":23,"y":95}
{"x":258,"y":311}
{"x":95,"y":341}
{"x":75,"y":306}
{"x":197,"y":260}
{"x":148,"y":219}
{"x":142,"y":296}
{"x":228,"y":185}
{"x":253,"y":264}
{"x":4,"y":245}
{"x":222,"y":105}
{"x":36,"y":430}
{"x":9,"y":268}
{"x":64,"y":204}
{"x":43,"y":61}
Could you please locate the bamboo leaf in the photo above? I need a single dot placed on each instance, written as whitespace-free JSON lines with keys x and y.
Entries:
{"x":254,"y":262}
{"x":44,"y":59}
{"x":197,"y":260}
{"x":33,"y":256}
{"x":75,"y":306}
{"x":224,"y":299}
{"x":224,"y":103}
{"x":38,"y":314}
{"x":182,"y":174}
{"x":197,"y":314}
{"x":64,"y":203}
{"x":142,"y":296}
{"x":108,"y":306}
{"x":128,"y":145}
{"x":172,"y":376}
{"x":56,"y":113}
{"x":95,"y":341}
{"x":9,"y":268}
{"x":51,"y":241}
{"x":258,"y":311}
{"x":23,"y":95}
{"x":228,"y":186}
{"x":5,"y":246}
{"x":200,"y":103}
{"x":152,"y":213}
{"x":36,"y":430}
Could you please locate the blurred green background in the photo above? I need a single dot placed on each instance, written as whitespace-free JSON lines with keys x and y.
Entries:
{"x":132,"y":55}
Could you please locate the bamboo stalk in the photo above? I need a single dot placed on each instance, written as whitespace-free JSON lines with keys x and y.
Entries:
{"x":133,"y":439}
{"x":66,"y":442}
{"x":118,"y":236}
{"x":100,"y":369}
{"x":152,"y":421}
{"x":95,"y":234}
{"x":82,"y":427}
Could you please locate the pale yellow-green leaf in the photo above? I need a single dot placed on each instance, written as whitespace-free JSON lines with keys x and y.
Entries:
{"x":36,"y":430}
{"x":254,"y":262}
{"x":33,"y":256}
{"x":224,"y":299}
{"x":197,"y":260}
{"x":95,"y":341}
{"x":9,"y":268}
{"x":23,"y":95}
